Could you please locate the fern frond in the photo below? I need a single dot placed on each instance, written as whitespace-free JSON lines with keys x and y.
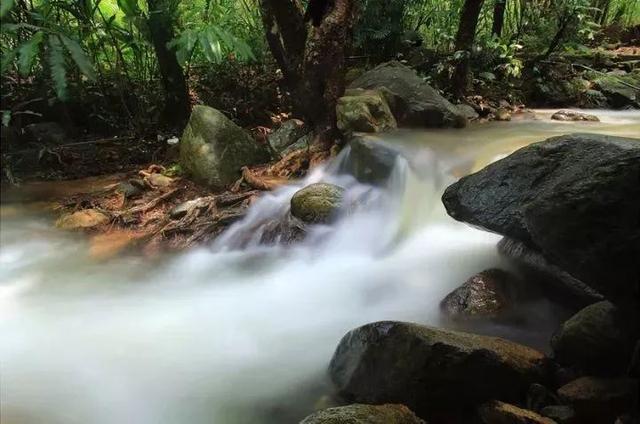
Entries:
{"x":28,"y":51}
{"x":79,"y":57}
{"x":57,"y":66}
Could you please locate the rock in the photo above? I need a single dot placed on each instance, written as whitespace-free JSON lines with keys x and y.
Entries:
{"x":352,"y":74}
{"x":562,"y":414}
{"x":594,"y":340}
{"x":370,"y":160}
{"x":618,"y":91}
{"x":484,"y":295}
{"x":496,"y":412}
{"x":364,"y":414}
{"x":85,"y":218}
{"x":287,"y":230}
{"x":431,"y":370}
{"x":468,"y":111}
{"x":364,"y":111}
{"x":572,"y":115}
{"x":574,"y":198}
{"x":213,"y":149}
{"x":597,"y":400}
{"x":288,"y":134}
{"x":129,"y":189}
{"x":538,"y":396}
{"x":502,"y":114}
{"x":560,"y":285}
{"x":317,"y":203}
{"x":423,"y":106}
{"x":45,"y":132}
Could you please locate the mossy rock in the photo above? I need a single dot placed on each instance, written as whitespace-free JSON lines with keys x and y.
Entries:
{"x":364,"y":111}
{"x":619,"y":89}
{"x":595,"y":340}
{"x":364,"y":414}
{"x":317,"y":203}
{"x":213,"y":149}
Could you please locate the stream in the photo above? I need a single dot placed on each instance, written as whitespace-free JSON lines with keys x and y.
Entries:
{"x":238,"y":332}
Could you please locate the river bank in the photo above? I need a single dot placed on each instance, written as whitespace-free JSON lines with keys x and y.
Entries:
{"x":244,"y":331}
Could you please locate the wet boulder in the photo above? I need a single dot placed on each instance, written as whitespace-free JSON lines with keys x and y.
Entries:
{"x":574,"y":198}
{"x":559,"y":285}
{"x":287,"y":134}
{"x":595,"y":340}
{"x":364,"y":414}
{"x":213,"y":148}
{"x":364,"y":111}
{"x":371,"y":160}
{"x":496,"y":412}
{"x":572,"y":115}
{"x":620,"y":90}
{"x":420,"y":106}
{"x":485,"y":295}
{"x":431,"y":370}
{"x":468,"y":111}
{"x":562,"y":414}
{"x":317,"y":203}
{"x":598,"y":400}
{"x":83,"y":219}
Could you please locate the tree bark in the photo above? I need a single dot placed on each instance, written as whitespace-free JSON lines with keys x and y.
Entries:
{"x":499,"y":8}
{"x":177,"y":106}
{"x":311,"y":57}
{"x":464,"y":43}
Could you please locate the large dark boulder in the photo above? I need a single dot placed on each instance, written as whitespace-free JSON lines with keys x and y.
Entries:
{"x":431,"y":370}
{"x":595,"y":340}
{"x":370,"y":159}
{"x":598,"y":400}
{"x":575,"y":198}
{"x":417,"y":104}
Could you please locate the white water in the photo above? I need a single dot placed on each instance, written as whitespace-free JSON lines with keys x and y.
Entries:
{"x":220,"y":335}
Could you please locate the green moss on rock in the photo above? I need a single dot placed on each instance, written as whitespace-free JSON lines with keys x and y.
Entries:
{"x":213,"y":148}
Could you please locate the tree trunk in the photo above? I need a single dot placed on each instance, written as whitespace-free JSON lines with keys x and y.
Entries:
{"x":464,"y":42}
{"x":177,"y":106}
{"x":498,"y":17}
{"x":311,"y":57}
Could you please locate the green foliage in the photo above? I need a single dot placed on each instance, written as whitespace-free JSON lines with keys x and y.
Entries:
{"x":63,"y":40}
{"x":57,"y":66}
{"x":213,"y":43}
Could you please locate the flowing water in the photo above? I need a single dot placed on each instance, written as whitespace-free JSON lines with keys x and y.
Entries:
{"x":237,"y":332}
